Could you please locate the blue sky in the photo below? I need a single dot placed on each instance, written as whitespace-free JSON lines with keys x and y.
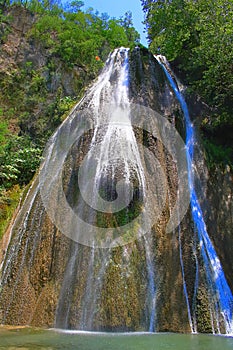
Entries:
{"x":117,"y":8}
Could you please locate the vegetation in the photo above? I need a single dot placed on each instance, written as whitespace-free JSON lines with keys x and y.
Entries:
{"x":50,"y":52}
{"x":196,"y":36}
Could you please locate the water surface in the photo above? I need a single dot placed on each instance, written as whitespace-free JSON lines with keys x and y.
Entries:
{"x":31,"y":339}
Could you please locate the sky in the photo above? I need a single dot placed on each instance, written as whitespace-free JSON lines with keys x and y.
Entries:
{"x":117,"y":8}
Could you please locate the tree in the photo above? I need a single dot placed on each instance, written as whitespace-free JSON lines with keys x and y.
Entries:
{"x":74,"y":6}
{"x":116,"y":35}
{"x":4,"y":4}
{"x":127,"y":24}
{"x":197,"y":35}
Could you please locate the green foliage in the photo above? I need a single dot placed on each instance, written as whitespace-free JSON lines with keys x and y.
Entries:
{"x":76,"y":5}
{"x":20,"y":86}
{"x":63,"y":41}
{"x":197,"y":36}
{"x":217,"y":154}
{"x":78,"y":37}
{"x":127,"y":24}
{"x":9,"y":201}
{"x":3,"y":132}
{"x":116,"y":35}
{"x":4,"y":23}
{"x":19,"y":159}
{"x":59,"y":109}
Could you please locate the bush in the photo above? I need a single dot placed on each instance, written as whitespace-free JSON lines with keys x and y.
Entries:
{"x":19,"y":160}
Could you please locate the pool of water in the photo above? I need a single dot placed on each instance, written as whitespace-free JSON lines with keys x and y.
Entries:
{"x":30,"y":339}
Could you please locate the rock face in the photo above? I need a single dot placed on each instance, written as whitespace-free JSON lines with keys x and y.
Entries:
{"x":33,"y":79}
{"x":156,"y":282}
{"x":220,"y":216}
{"x":19,"y":47}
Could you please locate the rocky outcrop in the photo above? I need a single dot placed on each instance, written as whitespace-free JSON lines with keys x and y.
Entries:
{"x":47,"y":279}
{"x":220,"y":216}
{"x":33,"y":79}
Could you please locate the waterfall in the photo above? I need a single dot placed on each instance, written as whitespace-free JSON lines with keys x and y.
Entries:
{"x":14,"y":249}
{"x":113,"y":146}
{"x":102,"y":241}
{"x":220,"y":293}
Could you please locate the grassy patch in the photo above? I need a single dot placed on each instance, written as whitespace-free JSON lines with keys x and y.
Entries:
{"x":9,"y":201}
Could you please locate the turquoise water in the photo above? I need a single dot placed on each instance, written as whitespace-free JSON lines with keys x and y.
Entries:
{"x":30,"y":339}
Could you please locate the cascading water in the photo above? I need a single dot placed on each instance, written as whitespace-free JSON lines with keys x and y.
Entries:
{"x":95,"y":245}
{"x":113,"y":143}
{"x":220,"y":293}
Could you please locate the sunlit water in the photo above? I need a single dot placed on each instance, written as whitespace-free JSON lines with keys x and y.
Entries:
{"x":29,"y":338}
